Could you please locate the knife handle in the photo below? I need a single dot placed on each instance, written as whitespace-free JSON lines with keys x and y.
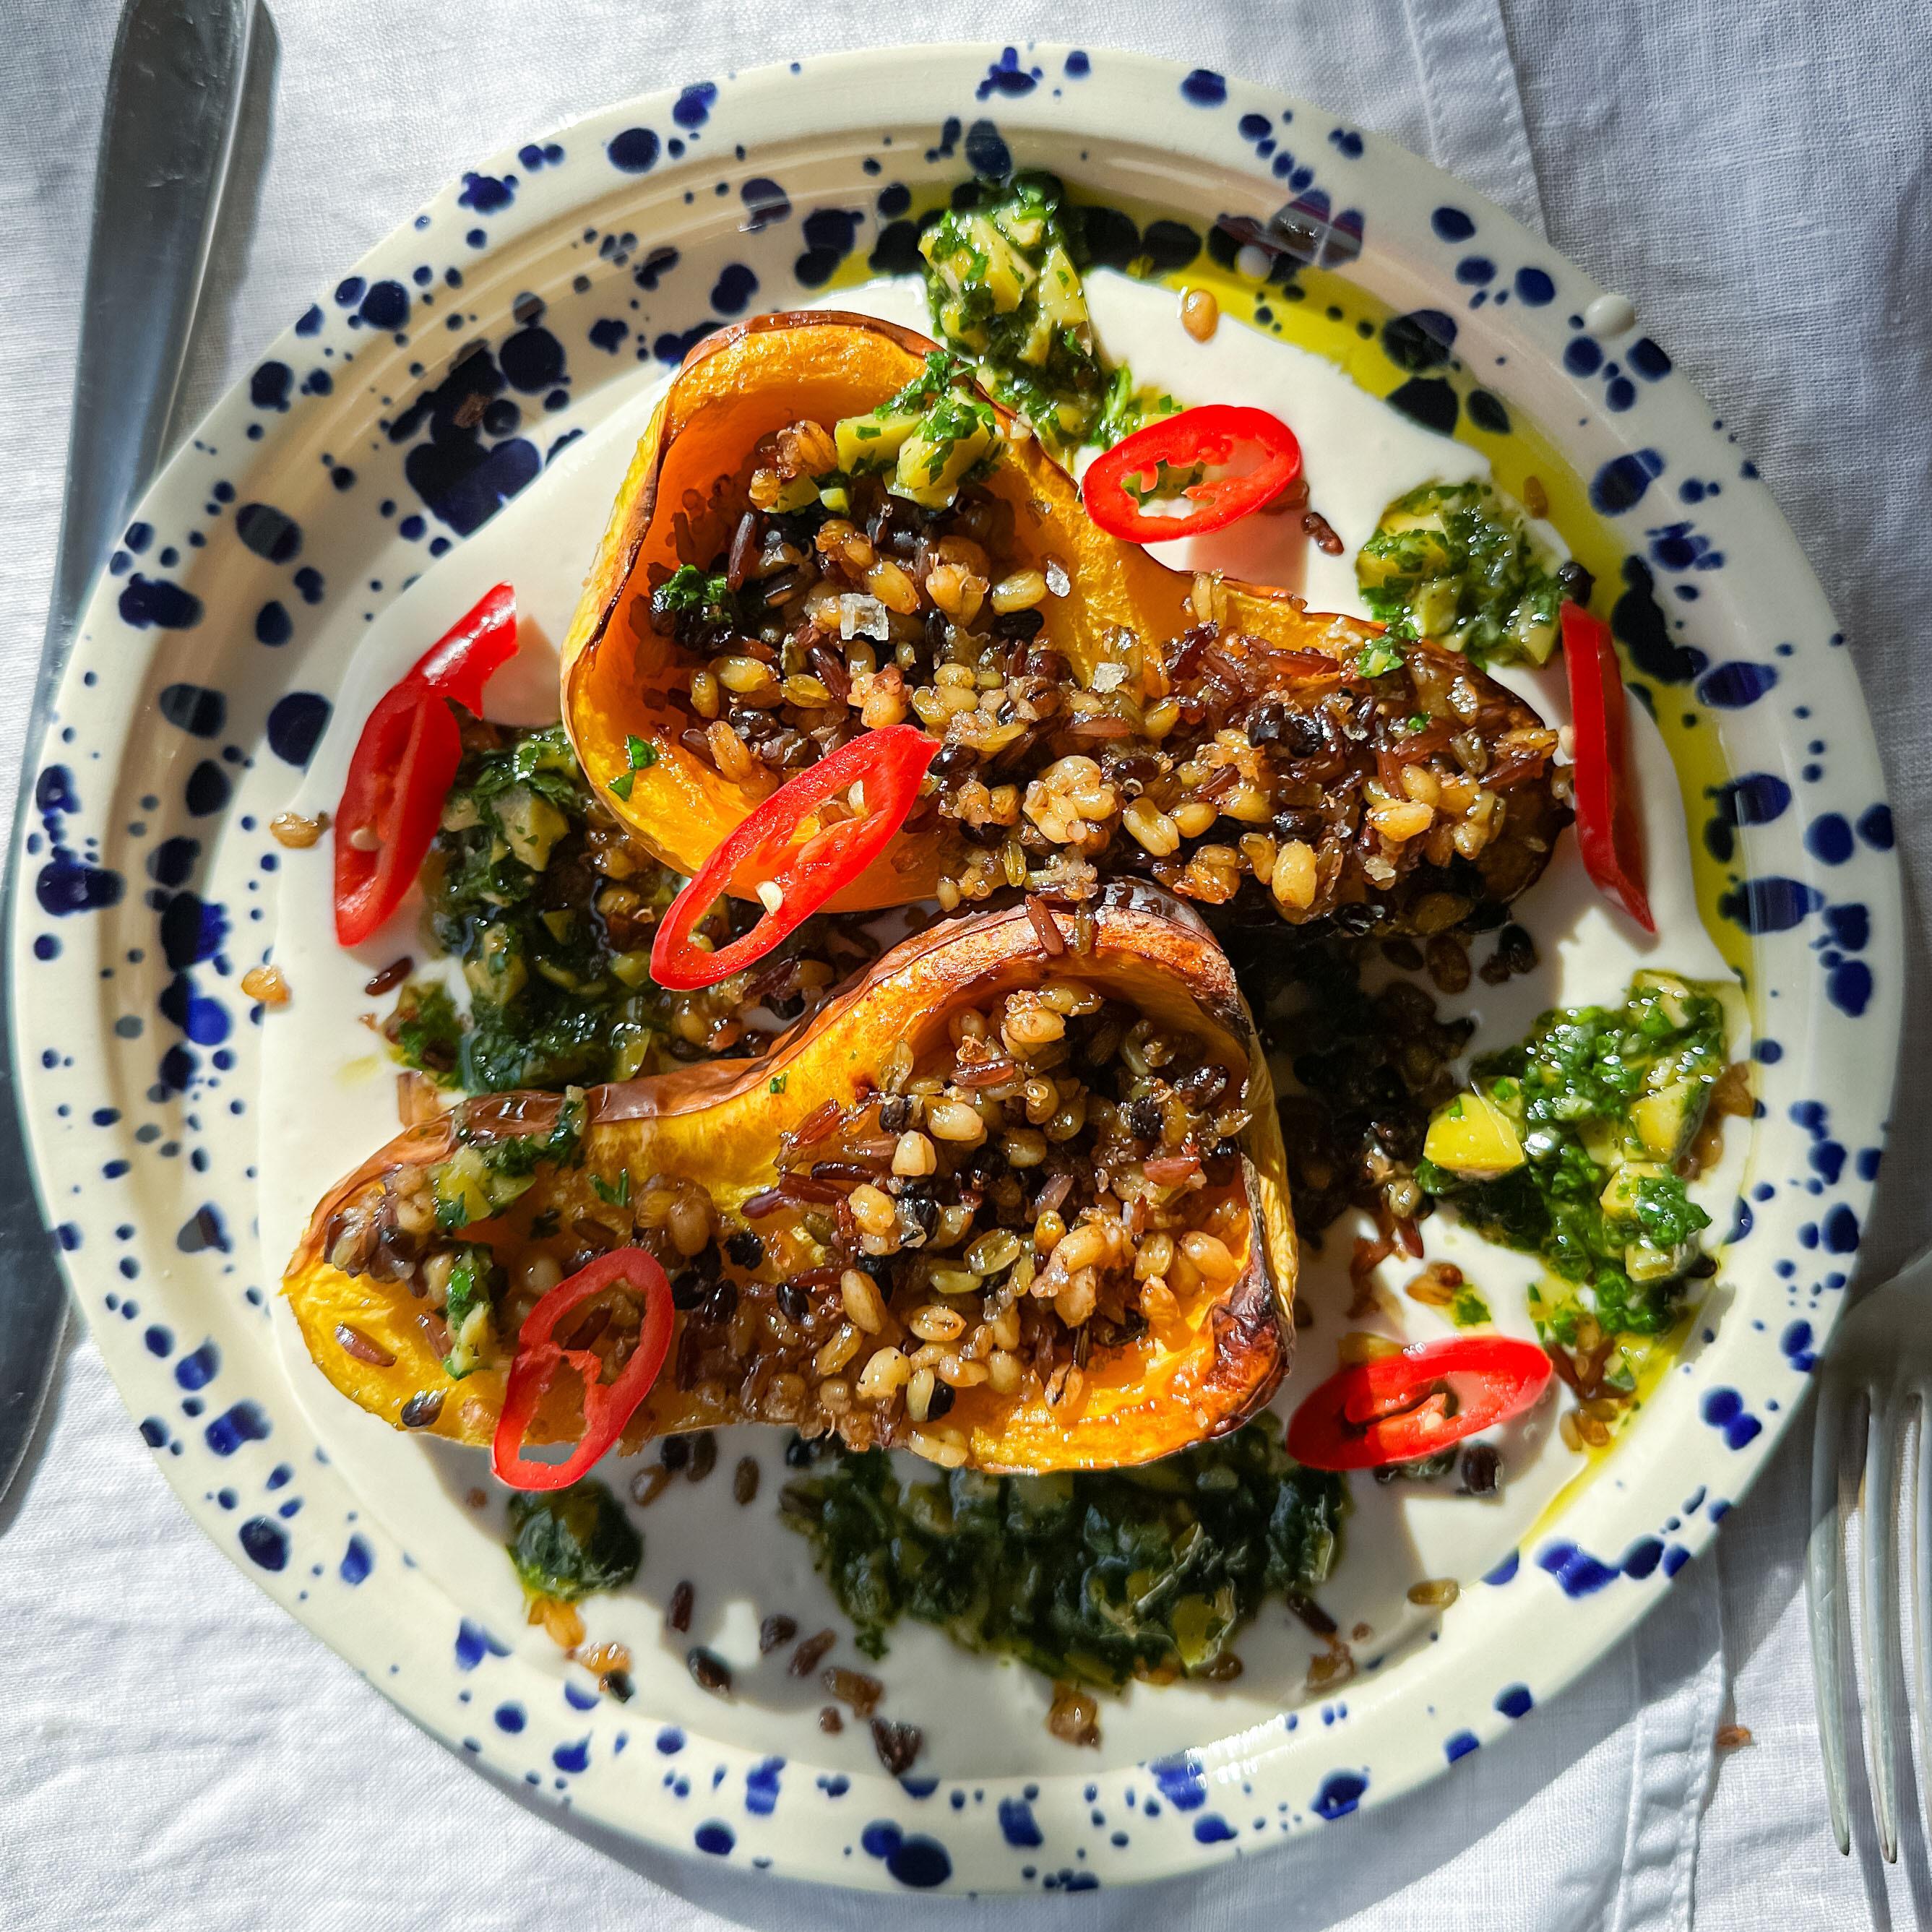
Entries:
{"x":174,"y":94}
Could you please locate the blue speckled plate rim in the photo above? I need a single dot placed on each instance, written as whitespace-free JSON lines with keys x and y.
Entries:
{"x":1569,"y":1603}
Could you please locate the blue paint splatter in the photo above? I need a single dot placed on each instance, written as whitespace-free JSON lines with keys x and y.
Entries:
{"x":1620,"y":485}
{"x":1514,"y":1700}
{"x":1018,"y":1826}
{"x":1796,"y":1345}
{"x":246,"y":1422}
{"x":1504,"y":1572}
{"x":1641,"y":1557}
{"x":1841,"y":1231}
{"x":761,"y":1786}
{"x":715,"y":1837}
{"x":1724,"y":1409}
{"x":295,"y":723}
{"x":1341,"y":1791}
{"x":1459,"y":1745}
{"x":486,"y":193}
{"x":1181,"y":1782}
{"x":1730,"y":687}
{"x":474,"y":1643}
{"x":269,"y":533}
{"x":196,"y":1371}
{"x":1769,"y":904}
{"x":266,"y":1542}
{"x":1451,"y":224}
{"x":1579,"y":1572}
{"x":692,"y":108}
{"x":1213,"y":1829}
{"x":635,"y":152}
{"x":986,"y":153}
{"x":573,"y":1757}
{"x":150,"y":603}
{"x":1204,"y":88}
{"x":358,"y":1560}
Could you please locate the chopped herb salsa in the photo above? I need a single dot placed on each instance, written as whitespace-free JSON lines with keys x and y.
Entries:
{"x":568,"y":1543}
{"x":1577,"y":1144}
{"x":533,"y":887}
{"x":1003,"y":278}
{"x":1097,"y":1577}
{"x":1456,"y":563}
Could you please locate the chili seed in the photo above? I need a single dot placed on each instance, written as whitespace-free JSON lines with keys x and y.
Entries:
{"x":647,"y":1485}
{"x":678,"y":1616}
{"x":774,"y":1631}
{"x":829,"y":1721}
{"x":674,"y":1452}
{"x":704,"y":1456}
{"x":745,"y":1480}
{"x":746,"y":1248}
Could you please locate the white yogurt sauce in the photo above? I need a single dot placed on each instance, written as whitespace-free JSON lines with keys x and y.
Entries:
{"x":330,"y":1096}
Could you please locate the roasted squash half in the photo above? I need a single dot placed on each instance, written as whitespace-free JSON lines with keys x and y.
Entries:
{"x":1326,"y":718}
{"x":1044,"y":1083}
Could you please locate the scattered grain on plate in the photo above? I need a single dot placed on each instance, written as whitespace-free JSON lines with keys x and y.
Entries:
{"x":1200,"y":314}
{"x":805,"y":1659}
{"x":391,"y":977}
{"x":829,"y":1721}
{"x":709,"y":1671}
{"x":704,"y":1456}
{"x":298,"y":833}
{"x":853,"y":1687}
{"x":681,"y":1599}
{"x":422,"y":1409}
{"x":1321,"y":533}
{"x":647,"y":1485}
{"x":745,"y":1480}
{"x":776,"y":1631}
{"x":1435,"y":1593}
{"x":674,"y":1452}
{"x":1535,"y":498}
{"x":1482,"y":1470}
{"x":1074,"y":1718}
{"x":477,"y":1499}
{"x":268,"y":984}
{"x":897,"y":1744}
{"x":1730,"y":1737}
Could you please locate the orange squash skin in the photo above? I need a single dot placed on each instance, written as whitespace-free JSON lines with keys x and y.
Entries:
{"x":1192,"y":1378}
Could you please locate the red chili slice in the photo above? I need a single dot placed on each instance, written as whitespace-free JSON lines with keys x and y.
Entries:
{"x":404,"y":762}
{"x":1219,"y":432}
{"x":1396,"y":1408}
{"x":1610,"y":835}
{"x":890,"y":762}
{"x":607,"y":1406}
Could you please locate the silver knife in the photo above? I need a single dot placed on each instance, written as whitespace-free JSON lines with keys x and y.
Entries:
{"x":174,"y":95}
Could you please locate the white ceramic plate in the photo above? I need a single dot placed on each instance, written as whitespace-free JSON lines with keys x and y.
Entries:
{"x":555,"y":284}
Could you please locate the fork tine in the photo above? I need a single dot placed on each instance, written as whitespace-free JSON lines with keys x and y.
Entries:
{"x":1879,"y":1538}
{"x":1825,"y":1595}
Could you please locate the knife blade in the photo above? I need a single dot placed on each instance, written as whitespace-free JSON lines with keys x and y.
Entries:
{"x":174,"y":95}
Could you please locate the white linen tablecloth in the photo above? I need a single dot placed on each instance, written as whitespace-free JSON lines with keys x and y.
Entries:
{"x":176,"y":1753}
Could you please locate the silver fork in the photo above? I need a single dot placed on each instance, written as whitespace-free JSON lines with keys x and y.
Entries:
{"x":1878,"y":1365}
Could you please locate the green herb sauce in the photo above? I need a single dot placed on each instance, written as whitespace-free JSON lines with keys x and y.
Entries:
{"x":1456,"y":563}
{"x":555,"y":997}
{"x":1603,"y":1103}
{"x":567,"y":1543}
{"x":1003,"y":280}
{"x":1097,"y":1577}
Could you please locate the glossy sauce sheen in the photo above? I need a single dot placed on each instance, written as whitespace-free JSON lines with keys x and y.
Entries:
{"x":336,"y":1091}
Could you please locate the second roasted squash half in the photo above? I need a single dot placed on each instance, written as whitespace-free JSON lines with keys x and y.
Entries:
{"x":761,"y":595}
{"x":1015,"y":1199}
